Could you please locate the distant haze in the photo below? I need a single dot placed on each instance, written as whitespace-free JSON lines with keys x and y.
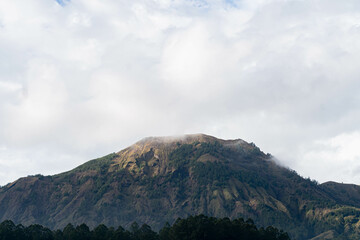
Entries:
{"x":80,"y":79}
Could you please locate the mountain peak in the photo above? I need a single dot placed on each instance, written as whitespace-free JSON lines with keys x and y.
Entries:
{"x":154,"y":154}
{"x":186,"y":139}
{"x":155,"y":150}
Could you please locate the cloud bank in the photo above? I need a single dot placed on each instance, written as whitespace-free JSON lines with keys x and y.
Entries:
{"x":80,"y":79}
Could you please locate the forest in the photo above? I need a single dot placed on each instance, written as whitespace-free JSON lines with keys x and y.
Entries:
{"x":198,"y":227}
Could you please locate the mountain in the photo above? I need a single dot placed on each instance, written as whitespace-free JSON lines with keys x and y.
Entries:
{"x":159,"y":179}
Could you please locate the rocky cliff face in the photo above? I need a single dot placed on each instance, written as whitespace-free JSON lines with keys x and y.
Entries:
{"x":160,"y":179}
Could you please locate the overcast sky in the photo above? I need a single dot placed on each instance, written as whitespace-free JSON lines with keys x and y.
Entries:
{"x":83,"y":78}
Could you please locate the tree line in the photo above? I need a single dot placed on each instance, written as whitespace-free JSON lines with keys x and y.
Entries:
{"x":192,"y":228}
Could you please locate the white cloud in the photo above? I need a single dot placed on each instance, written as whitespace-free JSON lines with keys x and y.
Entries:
{"x":333,"y":159}
{"x":90,"y":77}
{"x":41,"y":105}
{"x":9,"y":87}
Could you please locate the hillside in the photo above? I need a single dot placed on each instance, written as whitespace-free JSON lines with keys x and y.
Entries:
{"x":157,"y":180}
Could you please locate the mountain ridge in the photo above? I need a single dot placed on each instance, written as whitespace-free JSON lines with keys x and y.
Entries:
{"x":159,"y":179}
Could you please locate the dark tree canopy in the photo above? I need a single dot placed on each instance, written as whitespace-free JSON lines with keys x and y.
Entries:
{"x":192,"y":228}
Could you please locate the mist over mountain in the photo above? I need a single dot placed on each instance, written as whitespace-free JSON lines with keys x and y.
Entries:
{"x":159,"y":179}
